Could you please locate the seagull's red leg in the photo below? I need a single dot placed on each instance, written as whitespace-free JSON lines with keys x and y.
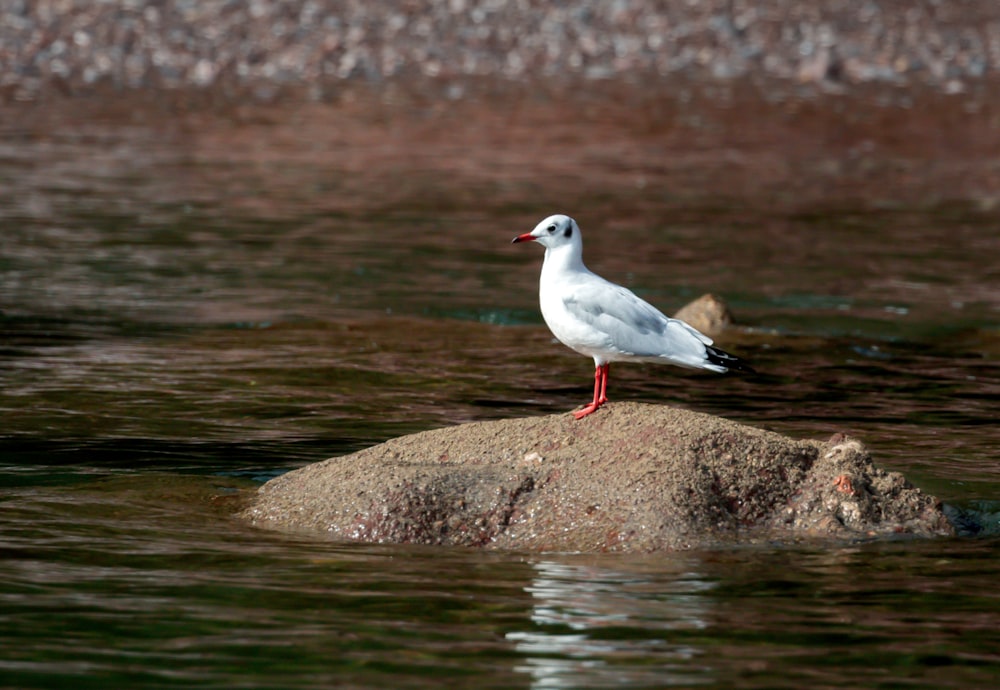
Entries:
{"x":600,"y":391}
{"x":606,"y":368}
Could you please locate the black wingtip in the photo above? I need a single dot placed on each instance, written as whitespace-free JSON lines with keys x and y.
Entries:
{"x":724,"y":359}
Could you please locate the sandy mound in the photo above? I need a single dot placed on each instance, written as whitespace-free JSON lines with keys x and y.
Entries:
{"x":631,"y":477}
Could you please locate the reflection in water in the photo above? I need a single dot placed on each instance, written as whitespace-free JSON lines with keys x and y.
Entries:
{"x":585,"y":621}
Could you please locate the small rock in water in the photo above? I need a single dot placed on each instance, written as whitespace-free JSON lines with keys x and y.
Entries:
{"x":708,"y":314}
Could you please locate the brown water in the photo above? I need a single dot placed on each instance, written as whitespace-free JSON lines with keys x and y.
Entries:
{"x":193,"y":305}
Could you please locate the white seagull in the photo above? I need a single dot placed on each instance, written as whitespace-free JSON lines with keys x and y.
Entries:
{"x":609,"y":322}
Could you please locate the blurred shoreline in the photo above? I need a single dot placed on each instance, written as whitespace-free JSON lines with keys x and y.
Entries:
{"x":261,"y":49}
{"x":769,"y":102}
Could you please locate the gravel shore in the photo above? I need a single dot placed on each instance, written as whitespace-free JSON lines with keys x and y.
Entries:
{"x":259,"y":49}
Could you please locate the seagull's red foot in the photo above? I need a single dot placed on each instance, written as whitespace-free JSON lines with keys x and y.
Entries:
{"x":600,"y":391}
{"x":592,"y":407}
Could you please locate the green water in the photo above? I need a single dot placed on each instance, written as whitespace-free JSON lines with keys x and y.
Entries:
{"x":177,"y":329}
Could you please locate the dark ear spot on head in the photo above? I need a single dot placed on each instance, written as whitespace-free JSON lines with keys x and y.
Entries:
{"x":568,"y":232}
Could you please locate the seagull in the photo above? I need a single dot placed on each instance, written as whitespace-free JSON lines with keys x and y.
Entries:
{"x":608,"y":322}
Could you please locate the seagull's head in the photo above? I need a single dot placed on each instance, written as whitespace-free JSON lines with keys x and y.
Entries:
{"x":554,"y":231}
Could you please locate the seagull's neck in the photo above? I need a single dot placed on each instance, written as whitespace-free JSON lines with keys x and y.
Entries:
{"x":567,"y":258}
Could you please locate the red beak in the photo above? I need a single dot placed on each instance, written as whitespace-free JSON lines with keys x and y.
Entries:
{"x":526,"y":237}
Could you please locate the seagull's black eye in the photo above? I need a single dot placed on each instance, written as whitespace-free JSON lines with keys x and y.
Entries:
{"x":568,"y":232}
{"x":551,"y":229}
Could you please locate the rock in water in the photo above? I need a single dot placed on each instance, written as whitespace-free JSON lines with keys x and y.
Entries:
{"x":708,"y":314}
{"x":634,"y":477}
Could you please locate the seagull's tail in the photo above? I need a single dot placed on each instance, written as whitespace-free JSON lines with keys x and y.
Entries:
{"x":723,"y":359}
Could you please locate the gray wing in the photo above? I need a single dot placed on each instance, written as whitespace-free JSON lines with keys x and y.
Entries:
{"x":633,"y":326}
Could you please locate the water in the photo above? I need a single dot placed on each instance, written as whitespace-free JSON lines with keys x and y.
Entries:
{"x":187,"y":311}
